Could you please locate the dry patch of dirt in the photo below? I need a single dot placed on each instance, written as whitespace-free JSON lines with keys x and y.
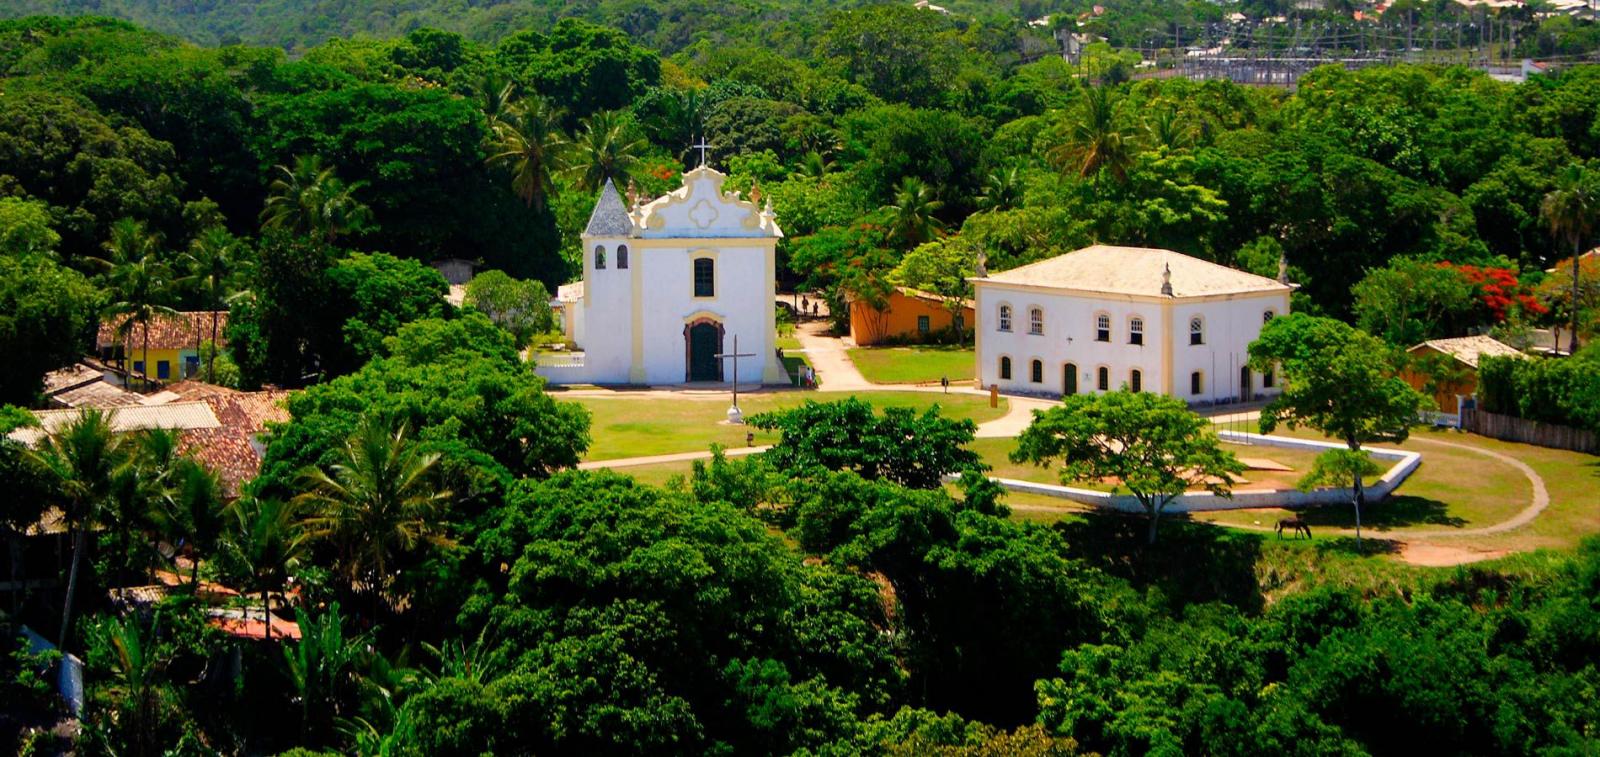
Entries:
{"x":1435,"y":555}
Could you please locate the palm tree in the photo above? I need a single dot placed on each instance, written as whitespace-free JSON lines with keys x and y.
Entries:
{"x":1096,"y":143}
{"x":321,"y":666}
{"x":214,"y":268}
{"x":529,"y":142}
{"x":137,"y":668}
{"x":914,"y":221}
{"x":604,"y":150}
{"x":1165,"y":129}
{"x":496,"y":94}
{"x":1572,"y":210}
{"x":265,"y":543}
{"x":140,"y":283}
{"x":378,"y":503}
{"x":310,"y":199}
{"x":82,"y":459}
{"x":1002,"y":190}
{"x":192,"y":510}
{"x":812,"y":164}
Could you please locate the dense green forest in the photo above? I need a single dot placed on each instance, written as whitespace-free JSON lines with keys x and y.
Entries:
{"x":462,"y":591}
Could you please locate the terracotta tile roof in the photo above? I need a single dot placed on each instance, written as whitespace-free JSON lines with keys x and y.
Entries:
{"x":168,"y":332}
{"x":1468,"y":349}
{"x":1136,"y":271}
{"x":230,"y":448}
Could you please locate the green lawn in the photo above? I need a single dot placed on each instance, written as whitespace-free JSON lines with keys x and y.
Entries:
{"x":913,"y":365}
{"x":628,"y":427}
{"x":995,"y":452}
{"x":1455,"y":488}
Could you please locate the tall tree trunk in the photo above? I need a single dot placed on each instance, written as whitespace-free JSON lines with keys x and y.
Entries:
{"x":211,"y":361}
{"x":1360,"y":499}
{"x":1577,"y":257}
{"x":266,"y":613}
{"x":78,"y":542}
{"x":146,"y":370}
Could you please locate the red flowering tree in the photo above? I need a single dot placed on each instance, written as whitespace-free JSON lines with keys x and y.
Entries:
{"x":1499,"y":291}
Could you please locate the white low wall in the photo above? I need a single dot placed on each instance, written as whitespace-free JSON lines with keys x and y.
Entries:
{"x":1405,"y":463}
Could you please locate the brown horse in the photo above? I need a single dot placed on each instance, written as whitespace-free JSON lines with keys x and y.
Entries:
{"x":1296,"y":527}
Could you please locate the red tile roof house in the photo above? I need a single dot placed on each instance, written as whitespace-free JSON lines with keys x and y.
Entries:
{"x":234,"y":447}
{"x":173,"y":343}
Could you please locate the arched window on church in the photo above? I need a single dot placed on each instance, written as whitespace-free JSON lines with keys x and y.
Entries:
{"x":705,"y":277}
{"x":599,"y":257}
{"x":622,"y":256}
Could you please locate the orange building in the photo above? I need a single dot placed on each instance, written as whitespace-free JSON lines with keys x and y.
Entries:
{"x":909,"y":316}
{"x":1462,"y":380}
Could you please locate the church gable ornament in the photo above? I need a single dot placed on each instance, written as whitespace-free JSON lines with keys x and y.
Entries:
{"x":699,"y":208}
{"x":703,"y":214}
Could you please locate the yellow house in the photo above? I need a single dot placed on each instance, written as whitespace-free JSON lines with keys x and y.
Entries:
{"x":174,"y":343}
{"x":909,"y":315}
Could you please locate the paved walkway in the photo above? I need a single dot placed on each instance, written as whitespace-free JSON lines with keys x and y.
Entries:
{"x":835,"y":372}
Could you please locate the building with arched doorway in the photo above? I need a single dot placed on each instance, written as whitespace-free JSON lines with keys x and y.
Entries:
{"x":667,"y":286}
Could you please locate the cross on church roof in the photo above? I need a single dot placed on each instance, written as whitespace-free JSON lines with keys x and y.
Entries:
{"x":702,"y":147}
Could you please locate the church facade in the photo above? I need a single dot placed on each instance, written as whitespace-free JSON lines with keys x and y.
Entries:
{"x":668,"y":285}
{"x":1106,"y":318}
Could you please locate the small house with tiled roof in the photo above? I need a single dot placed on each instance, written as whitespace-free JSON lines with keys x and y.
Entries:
{"x":1107,"y":317}
{"x":173,"y":341}
{"x":1453,"y":375}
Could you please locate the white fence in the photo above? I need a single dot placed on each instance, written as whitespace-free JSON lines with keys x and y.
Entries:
{"x":1404,"y":464}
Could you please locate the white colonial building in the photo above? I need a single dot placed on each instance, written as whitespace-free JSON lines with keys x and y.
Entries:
{"x":668,"y":284}
{"x":1107,"y":317}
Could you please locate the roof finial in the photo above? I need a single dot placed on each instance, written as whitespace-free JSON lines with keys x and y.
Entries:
{"x":1166,"y":280}
{"x":1283,"y":268}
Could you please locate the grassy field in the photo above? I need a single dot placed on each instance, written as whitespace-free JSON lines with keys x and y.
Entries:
{"x":629,"y":427}
{"x":1460,"y":489}
{"x":913,"y":365}
{"x":995,"y":452}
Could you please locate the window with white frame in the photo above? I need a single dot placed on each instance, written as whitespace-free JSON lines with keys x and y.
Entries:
{"x":1005,"y":317}
{"x":1136,"y":330}
{"x":1197,"y":383}
{"x":1197,"y":330}
{"x":1005,"y":369}
{"x":1102,"y":328}
{"x":1035,"y":321}
{"x":1136,"y":380}
{"x":1103,"y":379}
{"x":1036,"y":372}
{"x":1267,"y":316}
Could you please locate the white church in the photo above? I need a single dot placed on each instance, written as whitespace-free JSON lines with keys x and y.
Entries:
{"x":1104,"y":318}
{"x":667,"y":286}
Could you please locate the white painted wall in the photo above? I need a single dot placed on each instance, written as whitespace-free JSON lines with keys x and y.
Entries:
{"x":630,"y":322}
{"x":1070,"y":331}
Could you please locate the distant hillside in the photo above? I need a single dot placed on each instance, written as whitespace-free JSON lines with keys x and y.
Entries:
{"x":297,"y":24}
